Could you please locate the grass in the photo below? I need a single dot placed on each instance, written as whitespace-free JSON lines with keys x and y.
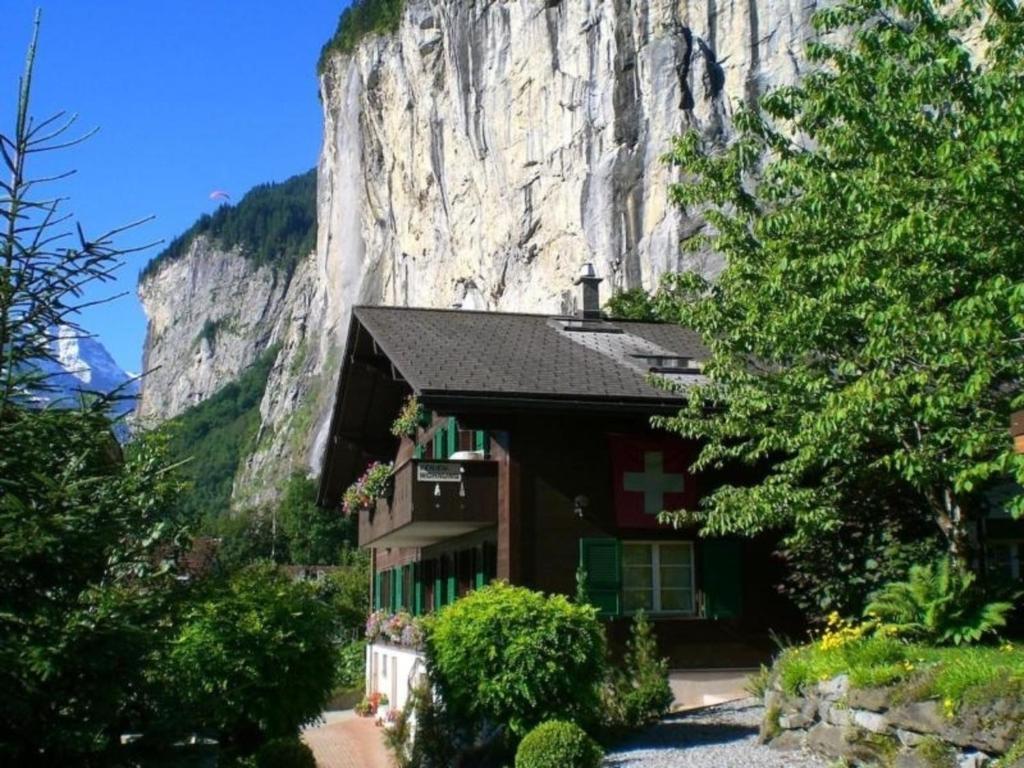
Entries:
{"x":955,"y":675}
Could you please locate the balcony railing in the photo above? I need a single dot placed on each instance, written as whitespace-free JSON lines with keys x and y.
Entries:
{"x":432,"y":501}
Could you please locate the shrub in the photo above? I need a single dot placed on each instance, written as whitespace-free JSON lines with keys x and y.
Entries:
{"x":558,"y":744}
{"x":285,"y":753}
{"x":508,"y":655}
{"x":436,"y":740}
{"x":647,"y":695}
{"x":938,"y":603}
{"x":254,"y":659}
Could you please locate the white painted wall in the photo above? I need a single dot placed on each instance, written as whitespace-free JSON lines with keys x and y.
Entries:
{"x":393,"y":671}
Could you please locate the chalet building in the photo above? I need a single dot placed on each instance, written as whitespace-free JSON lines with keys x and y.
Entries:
{"x":537,"y":457}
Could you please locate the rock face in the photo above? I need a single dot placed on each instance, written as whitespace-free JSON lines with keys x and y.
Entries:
{"x":211,"y":313}
{"x":477,"y":157}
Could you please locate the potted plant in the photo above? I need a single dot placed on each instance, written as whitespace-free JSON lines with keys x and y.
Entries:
{"x":364,"y":492}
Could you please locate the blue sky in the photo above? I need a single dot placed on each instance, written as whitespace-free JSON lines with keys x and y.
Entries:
{"x":189,"y":97}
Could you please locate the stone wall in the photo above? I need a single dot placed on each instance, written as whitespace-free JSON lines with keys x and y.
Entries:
{"x":875,"y":726}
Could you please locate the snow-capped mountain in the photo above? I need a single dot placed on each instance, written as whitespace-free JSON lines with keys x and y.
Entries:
{"x":82,"y":365}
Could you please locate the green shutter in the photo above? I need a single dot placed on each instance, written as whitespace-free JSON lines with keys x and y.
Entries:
{"x":480,"y":441}
{"x":478,"y":555}
{"x":438,"y":601}
{"x":439,"y":443}
{"x":453,"y":584}
{"x":417,"y":452}
{"x":453,"y":437}
{"x":722,"y":576}
{"x":602,"y":560}
{"x":396,"y":588}
{"x":417,"y":580}
{"x":376,"y":591}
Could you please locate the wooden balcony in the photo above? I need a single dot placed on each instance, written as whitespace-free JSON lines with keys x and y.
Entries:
{"x":432,"y":501}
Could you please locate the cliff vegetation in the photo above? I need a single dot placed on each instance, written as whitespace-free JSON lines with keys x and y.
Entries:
{"x":273,"y":224}
{"x":215,"y":435}
{"x":362,"y":18}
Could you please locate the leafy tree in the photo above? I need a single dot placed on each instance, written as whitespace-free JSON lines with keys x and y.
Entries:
{"x":347,"y":593}
{"x":252,"y":660}
{"x":869,"y":321}
{"x":315,"y":535}
{"x":87,"y":546}
{"x":87,"y":563}
{"x":632,"y":304}
{"x":938,"y":603}
{"x":876,"y":539}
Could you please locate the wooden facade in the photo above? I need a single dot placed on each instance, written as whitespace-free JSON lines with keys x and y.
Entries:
{"x":543,"y":468}
{"x":538,"y":461}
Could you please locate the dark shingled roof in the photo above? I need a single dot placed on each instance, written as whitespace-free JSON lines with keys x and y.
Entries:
{"x":463,"y":362}
{"x":439,"y":351}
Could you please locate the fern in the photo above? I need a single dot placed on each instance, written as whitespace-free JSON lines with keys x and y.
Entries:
{"x":938,"y":603}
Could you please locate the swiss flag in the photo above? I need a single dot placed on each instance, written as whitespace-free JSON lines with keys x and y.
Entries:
{"x":650,"y":474}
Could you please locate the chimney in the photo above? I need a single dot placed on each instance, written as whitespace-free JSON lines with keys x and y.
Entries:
{"x":590,"y":306}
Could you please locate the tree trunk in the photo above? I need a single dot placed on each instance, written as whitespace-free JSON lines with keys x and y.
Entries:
{"x":954,"y":524}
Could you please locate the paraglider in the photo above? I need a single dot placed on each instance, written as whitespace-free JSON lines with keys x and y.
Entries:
{"x":219,"y":194}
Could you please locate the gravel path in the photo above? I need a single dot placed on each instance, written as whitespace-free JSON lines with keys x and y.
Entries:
{"x":724,"y":736}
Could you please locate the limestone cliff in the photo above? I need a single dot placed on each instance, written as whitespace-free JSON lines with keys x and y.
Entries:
{"x":477,"y":157}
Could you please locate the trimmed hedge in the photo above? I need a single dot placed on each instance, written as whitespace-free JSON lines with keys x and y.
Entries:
{"x":558,"y":744}
{"x":509,"y":655}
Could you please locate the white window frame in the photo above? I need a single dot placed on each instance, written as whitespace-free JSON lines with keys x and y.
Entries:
{"x":656,"y":577}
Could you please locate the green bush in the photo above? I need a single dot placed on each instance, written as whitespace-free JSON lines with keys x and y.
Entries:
{"x":285,"y":753}
{"x":254,"y":659}
{"x":648,"y":695}
{"x":938,"y":603}
{"x":558,"y":744}
{"x":511,"y":656}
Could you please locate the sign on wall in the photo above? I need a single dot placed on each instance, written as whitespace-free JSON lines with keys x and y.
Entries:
{"x":650,"y":474}
{"x":427,"y":472}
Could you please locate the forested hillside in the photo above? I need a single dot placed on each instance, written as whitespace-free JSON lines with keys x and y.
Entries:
{"x":215,"y":436}
{"x":273,"y":224}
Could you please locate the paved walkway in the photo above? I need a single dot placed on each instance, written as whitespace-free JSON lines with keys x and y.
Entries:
{"x":344,"y":740}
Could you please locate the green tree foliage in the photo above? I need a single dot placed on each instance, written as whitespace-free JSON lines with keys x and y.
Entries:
{"x":361,"y":18}
{"x":253,"y":659}
{"x":314,"y":535}
{"x":869,"y":321}
{"x":214,"y":437}
{"x":876,"y":539}
{"x":272,"y":224}
{"x":938,"y":603}
{"x":285,"y":753}
{"x":87,"y":561}
{"x":633,"y":304}
{"x":347,"y":593}
{"x":87,"y":547}
{"x":642,"y":692}
{"x":558,"y":744}
{"x":511,"y":656}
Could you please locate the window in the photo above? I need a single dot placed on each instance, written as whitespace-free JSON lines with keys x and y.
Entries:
{"x":1004,"y":559}
{"x":657,"y":577}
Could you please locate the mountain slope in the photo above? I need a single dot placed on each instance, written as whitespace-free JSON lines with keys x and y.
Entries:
{"x":81,"y":366}
{"x":473,"y":154}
